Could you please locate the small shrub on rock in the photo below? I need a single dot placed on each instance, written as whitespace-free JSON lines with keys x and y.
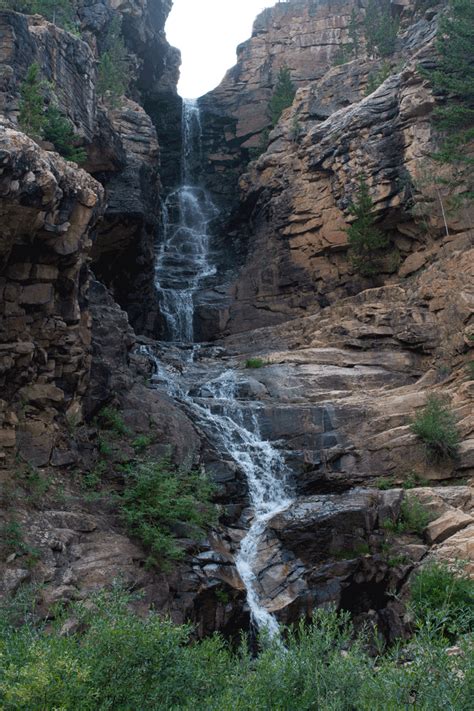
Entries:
{"x":159,"y":502}
{"x":254,"y":363}
{"x":436,"y":426}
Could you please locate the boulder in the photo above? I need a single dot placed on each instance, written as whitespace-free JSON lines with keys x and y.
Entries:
{"x":446,"y":525}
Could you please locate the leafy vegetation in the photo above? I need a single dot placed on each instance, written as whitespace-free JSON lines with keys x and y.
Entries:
{"x":12,"y":541}
{"x":414,"y":518}
{"x":453,"y":78}
{"x":366,"y":242}
{"x":114,"y":66}
{"x":128,"y":662}
{"x":59,"y":131}
{"x":61,"y":12}
{"x":159,"y":502}
{"x":381,"y":28}
{"x":435,"y":424}
{"x":255,"y":363}
{"x":142,"y":442}
{"x":375,"y":79}
{"x":31,"y":116}
{"x":349,"y":50}
{"x":46,"y":122}
{"x":110,"y":419}
{"x":384,"y":483}
{"x":445,"y":596}
{"x":283,"y":95}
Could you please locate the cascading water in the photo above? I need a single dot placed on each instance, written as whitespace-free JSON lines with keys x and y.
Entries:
{"x":182,"y":267}
{"x":235,"y":431}
{"x":182,"y":264}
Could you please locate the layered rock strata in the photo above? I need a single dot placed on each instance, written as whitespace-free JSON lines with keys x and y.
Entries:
{"x":48,"y":209}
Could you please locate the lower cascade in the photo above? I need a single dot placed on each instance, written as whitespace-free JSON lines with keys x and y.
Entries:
{"x":236,"y":433}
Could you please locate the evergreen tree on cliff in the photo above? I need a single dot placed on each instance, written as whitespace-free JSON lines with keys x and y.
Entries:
{"x":283,"y":95}
{"x":454,"y":77}
{"x":366,"y":242}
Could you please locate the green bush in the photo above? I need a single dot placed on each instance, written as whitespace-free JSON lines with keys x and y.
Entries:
{"x":110,"y":419}
{"x":381,"y":29}
{"x":59,"y":131}
{"x":255,"y":363}
{"x":142,"y":442}
{"x":126,"y":662}
{"x":367,"y":243}
{"x":444,"y":597}
{"x":385,"y":483}
{"x":375,"y":79}
{"x":283,"y":95}
{"x":453,"y":78}
{"x":114,"y":66}
{"x":435,"y":424}
{"x":414,"y":518}
{"x":158,"y":501}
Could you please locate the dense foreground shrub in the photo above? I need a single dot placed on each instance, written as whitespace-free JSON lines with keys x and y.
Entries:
{"x":446,"y":599}
{"x":124,"y":662}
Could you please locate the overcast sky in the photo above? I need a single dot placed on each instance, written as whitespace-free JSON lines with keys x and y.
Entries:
{"x":207,"y":32}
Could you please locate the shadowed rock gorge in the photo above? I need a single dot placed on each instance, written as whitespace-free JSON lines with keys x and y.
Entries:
{"x":193,"y":280}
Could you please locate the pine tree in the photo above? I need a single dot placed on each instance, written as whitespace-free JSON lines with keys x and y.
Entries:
{"x":353,"y":30}
{"x":114,"y":66}
{"x":381,"y":28}
{"x":366,"y":242}
{"x":454,"y":77}
{"x":32,"y":115}
{"x":58,"y":129}
{"x":283,"y":95}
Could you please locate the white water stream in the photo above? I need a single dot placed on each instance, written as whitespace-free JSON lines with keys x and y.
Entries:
{"x":182,"y":266}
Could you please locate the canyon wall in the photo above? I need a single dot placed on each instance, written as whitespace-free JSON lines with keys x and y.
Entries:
{"x":54,"y":206}
{"x":330,"y":366}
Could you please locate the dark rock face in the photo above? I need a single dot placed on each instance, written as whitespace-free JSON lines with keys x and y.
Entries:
{"x":65,"y":60}
{"x":121,"y":142}
{"x":123,"y":253}
{"x":48,"y":209}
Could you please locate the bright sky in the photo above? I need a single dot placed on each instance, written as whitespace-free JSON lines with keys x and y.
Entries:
{"x":207,"y":32}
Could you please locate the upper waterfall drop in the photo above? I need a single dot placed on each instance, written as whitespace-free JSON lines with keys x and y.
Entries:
{"x":183,"y":262}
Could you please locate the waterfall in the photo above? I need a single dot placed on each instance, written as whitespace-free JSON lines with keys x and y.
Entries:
{"x":182,"y":267}
{"x":182,"y":263}
{"x":267,"y":479}
{"x":235,"y":431}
